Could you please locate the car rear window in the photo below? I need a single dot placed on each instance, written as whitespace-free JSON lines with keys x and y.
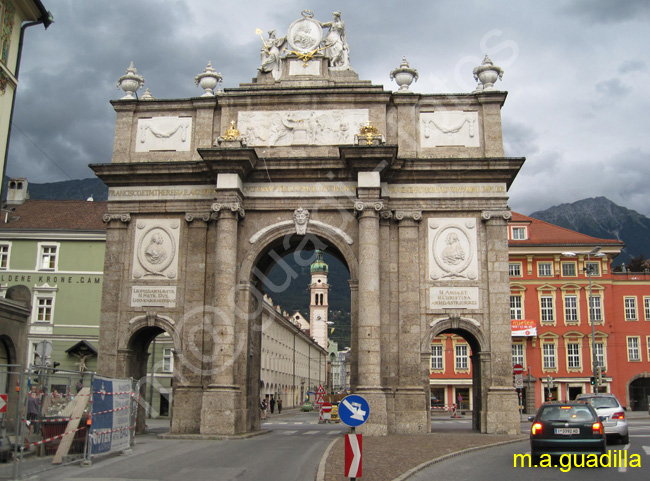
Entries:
{"x":603,"y":402}
{"x":567,"y":414}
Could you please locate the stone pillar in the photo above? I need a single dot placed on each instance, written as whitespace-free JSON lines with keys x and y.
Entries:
{"x":189,"y":371}
{"x":369,"y":321}
{"x":410,"y":399}
{"x":108,"y":362}
{"x":354,"y":338}
{"x":491,"y":113}
{"x":221,"y":409}
{"x":502,"y":403}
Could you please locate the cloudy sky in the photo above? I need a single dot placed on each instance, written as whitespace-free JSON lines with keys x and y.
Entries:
{"x":576,"y":71}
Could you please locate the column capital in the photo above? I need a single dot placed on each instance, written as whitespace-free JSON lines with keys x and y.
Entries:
{"x":373,"y":206}
{"x":204,"y":216}
{"x":235,"y":207}
{"x":124,"y":217}
{"x":408,"y":215}
{"x":496,"y":215}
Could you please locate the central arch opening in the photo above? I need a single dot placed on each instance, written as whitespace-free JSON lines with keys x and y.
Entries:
{"x":306,"y":322}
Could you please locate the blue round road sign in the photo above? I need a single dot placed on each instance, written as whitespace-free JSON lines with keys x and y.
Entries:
{"x":354,"y":410}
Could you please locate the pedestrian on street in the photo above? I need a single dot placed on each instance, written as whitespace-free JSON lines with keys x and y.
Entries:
{"x":272,"y":404}
{"x":279,"y":406}
{"x":33,"y":403}
{"x":263,"y":409}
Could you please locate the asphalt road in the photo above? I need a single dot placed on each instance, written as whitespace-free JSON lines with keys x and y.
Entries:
{"x":498,"y":463}
{"x":290,"y":451}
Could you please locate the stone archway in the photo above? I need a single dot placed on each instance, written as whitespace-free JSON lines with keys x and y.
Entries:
{"x":134,"y":353}
{"x":265,"y":248}
{"x":469,"y":329}
{"x":411,"y":190}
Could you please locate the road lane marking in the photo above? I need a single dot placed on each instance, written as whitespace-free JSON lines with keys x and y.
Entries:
{"x":311,"y":432}
{"x":286,"y":433}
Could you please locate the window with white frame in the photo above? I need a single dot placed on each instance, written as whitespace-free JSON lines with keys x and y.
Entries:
{"x":646,"y":308}
{"x":516,"y":311}
{"x":462,"y":356}
{"x":548,"y":355}
{"x":571,"y":308}
{"x":568,"y":269}
{"x":518,"y":233}
{"x":633,"y":352}
{"x":593,"y":267}
{"x":436,"y":357}
{"x":600,"y":353}
{"x":647,"y":341}
{"x":514,"y":269}
{"x":518,"y":354}
{"x":546,"y":309}
{"x":596,"y":310}
{"x":630,"y":308}
{"x":545,"y":269}
{"x":4,"y":256}
{"x":47,"y":260}
{"x":168,"y":360}
{"x":44,"y":309}
{"x":573,"y":355}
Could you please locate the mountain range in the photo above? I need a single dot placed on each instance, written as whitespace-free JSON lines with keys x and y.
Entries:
{"x":602,"y":218}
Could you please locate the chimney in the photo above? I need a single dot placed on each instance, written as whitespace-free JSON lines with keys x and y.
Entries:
{"x":17,"y":191}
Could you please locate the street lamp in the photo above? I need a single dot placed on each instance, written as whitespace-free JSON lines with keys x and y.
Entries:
{"x":589,"y":270}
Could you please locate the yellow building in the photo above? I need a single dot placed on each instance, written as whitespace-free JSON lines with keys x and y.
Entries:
{"x":15,"y":17}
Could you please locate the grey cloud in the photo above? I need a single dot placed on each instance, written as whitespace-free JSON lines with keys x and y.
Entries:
{"x":612,"y":88}
{"x":608,"y":11}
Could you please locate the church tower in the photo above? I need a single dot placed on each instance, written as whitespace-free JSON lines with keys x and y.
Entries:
{"x":318,"y":305}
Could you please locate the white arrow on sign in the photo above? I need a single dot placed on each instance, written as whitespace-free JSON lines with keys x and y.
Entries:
{"x":3,"y":403}
{"x":355,"y":409}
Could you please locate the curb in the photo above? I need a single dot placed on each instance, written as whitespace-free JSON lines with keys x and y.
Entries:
{"x":431,"y":462}
{"x":320,"y":474}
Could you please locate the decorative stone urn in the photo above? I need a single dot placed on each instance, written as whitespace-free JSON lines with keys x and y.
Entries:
{"x":486,"y":74}
{"x":208,"y":80}
{"x":404,"y":75}
{"x":130,"y":82}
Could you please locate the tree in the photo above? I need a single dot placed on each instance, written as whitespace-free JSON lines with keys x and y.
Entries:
{"x":636,"y":264}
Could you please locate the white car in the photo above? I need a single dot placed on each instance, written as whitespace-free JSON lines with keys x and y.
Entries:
{"x":612,"y":413}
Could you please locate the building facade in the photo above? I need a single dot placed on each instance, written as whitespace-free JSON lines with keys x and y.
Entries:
{"x":15,"y":17}
{"x":55,"y":249}
{"x":554,"y":272}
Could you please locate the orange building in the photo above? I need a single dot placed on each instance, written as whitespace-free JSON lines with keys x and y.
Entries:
{"x":553,"y":273}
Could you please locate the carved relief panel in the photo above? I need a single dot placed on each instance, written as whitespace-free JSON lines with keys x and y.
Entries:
{"x":453,"y":251}
{"x":155,"y":249}
{"x":301,"y":127}
{"x":449,"y":128}
{"x":164,"y":133}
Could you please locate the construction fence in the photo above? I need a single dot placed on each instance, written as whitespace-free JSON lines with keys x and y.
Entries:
{"x":52,"y":418}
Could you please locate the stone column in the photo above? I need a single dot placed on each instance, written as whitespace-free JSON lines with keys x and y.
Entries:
{"x":221,"y":408}
{"x":502,"y":403}
{"x":410,"y":399}
{"x":116,"y":257}
{"x":369,"y":321}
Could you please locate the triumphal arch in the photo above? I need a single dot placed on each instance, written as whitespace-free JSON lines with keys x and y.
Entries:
{"x":408,"y":190}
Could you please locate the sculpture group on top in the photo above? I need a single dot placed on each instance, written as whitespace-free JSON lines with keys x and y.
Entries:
{"x":305,"y":39}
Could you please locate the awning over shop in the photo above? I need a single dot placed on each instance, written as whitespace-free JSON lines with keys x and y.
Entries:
{"x":523,"y":328}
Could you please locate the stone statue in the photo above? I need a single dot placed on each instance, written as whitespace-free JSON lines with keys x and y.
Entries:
{"x":300,"y":219}
{"x":453,"y":253}
{"x":337,"y":49}
{"x":155,"y":253}
{"x":271,"y":55}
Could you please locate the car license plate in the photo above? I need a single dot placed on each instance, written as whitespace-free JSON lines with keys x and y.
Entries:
{"x":567,"y":431}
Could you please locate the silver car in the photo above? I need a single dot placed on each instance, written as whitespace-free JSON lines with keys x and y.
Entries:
{"x":612,"y":413}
